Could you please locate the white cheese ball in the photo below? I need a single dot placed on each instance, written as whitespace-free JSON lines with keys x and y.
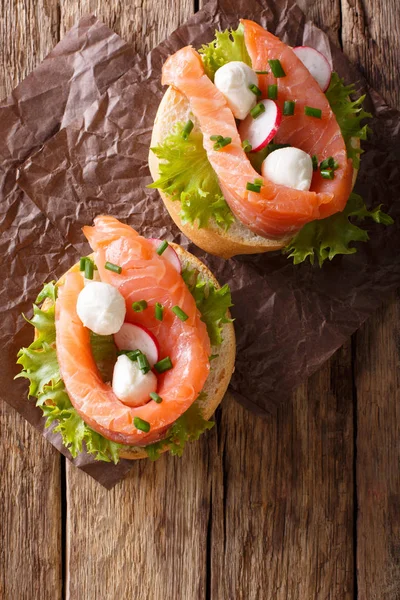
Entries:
{"x":101,"y":308}
{"x":130,"y":385}
{"x":233,"y":80}
{"x":289,"y":166}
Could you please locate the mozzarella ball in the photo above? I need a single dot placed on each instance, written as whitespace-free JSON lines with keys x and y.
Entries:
{"x":289,"y":166}
{"x":101,"y":308}
{"x":130,"y":385}
{"x":233,"y":80}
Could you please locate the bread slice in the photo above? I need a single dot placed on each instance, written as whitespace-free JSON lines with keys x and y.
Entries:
{"x":221,"y":367}
{"x":174,"y":108}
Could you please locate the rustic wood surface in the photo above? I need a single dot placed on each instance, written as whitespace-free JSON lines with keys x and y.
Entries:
{"x":303,"y":506}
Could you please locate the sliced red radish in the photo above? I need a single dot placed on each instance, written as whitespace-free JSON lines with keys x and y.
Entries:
{"x":169,"y":254}
{"x":316,"y":63}
{"x":137,"y":337}
{"x":261,"y":130}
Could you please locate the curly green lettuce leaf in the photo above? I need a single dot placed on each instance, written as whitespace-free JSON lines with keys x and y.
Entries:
{"x":226,"y":46}
{"x":334,"y":235}
{"x":186,"y":175}
{"x":187,"y":428}
{"x":212,"y":303}
{"x":349,"y":115}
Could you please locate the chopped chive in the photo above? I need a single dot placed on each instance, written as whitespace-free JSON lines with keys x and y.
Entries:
{"x":276,"y":68}
{"x":89,"y":269}
{"x":252,"y":187}
{"x":314,"y":162}
{"x":257,"y":110}
{"x":141,"y":424}
{"x":159,"y":310}
{"x":187,"y":129}
{"x":216,"y":138}
{"x":111,"y":267}
{"x":143,"y":363}
{"x":258,"y":181}
{"x":154,"y":396}
{"x":139,"y":306}
{"x":288,"y":108}
{"x":162,"y":247}
{"x":82,"y":263}
{"x":313,"y":112}
{"x":327,"y":174}
{"x":163,"y":365}
{"x":179,"y":313}
{"x":262,"y":72}
{"x":273,"y":91}
{"x":131,"y":354}
{"x":256,"y":90}
{"x":222,"y":142}
{"x":329,"y":163}
{"x":247,"y":147}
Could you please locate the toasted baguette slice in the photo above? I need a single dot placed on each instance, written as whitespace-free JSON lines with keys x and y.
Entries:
{"x":174,"y":108}
{"x":221,"y":367}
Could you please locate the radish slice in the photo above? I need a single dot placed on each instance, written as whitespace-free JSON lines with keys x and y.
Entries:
{"x":137,"y":337}
{"x":316,"y":63}
{"x":261,"y":130}
{"x":169,"y":254}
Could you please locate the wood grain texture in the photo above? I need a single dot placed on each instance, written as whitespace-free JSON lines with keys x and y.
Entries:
{"x":282,"y":513}
{"x":325,"y":14}
{"x":30,"y":512}
{"x":30,"y":494}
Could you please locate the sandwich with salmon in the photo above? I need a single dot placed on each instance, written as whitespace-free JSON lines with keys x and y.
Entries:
{"x":133,"y":347}
{"x":256,"y":147}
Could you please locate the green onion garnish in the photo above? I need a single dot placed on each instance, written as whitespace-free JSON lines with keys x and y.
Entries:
{"x":220,"y":141}
{"x":139,"y":306}
{"x":143,"y":363}
{"x":329,"y":163}
{"x":163,"y":365}
{"x":257,"y":110}
{"x":313,"y":112}
{"x":258,"y":181}
{"x":162,"y":247}
{"x":187,"y":129}
{"x":131,"y":354}
{"x":82,"y":263}
{"x":155,"y":397}
{"x":256,"y":90}
{"x":159,"y":309}
{"x":141,"y":424}
{"x":247,"y":147}
{"x":276,"y":68}
{"x":179,"y":313}
{"x":273,"y":91}
{"x":314,"y":162}
{"x":253,"y":187}
{"x":111,"y":267}
{"x":288,"y":108}
{"x":262,"y":72}
{"x":89,"y":269}
{"x":327,"y":174}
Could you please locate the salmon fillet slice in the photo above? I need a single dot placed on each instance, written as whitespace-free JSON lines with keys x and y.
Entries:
{"x":145,"y":276}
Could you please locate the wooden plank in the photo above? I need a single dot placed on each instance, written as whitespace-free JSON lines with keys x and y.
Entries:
{"x":370,"y":37}
{"x":325,"y":14}
{"x":283,"y":516}
{"x":30,"y":500}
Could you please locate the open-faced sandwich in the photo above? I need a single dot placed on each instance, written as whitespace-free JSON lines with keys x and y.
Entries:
{"x":133,"y":348}
{"x":256,"y":147}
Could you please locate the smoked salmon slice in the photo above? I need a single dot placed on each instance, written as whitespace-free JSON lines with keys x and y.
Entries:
{"x":277,"y":210}
{"x":145,"y":276}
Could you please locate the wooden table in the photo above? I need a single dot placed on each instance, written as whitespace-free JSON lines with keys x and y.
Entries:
{"x":305,"y":506}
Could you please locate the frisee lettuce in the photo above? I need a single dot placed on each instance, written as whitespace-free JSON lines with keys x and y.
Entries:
{"x":40,"y":367}
{"x":329,"y":237}
{"x":227,"y":46}
{"x":187,"y":175}
{"x":212,"y":303}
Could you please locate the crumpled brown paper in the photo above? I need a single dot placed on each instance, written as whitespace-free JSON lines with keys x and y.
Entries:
{"x":289,"y":320}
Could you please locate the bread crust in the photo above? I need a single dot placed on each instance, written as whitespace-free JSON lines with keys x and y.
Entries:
{"x":174,"y":108}
{"x":221,"y":368}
